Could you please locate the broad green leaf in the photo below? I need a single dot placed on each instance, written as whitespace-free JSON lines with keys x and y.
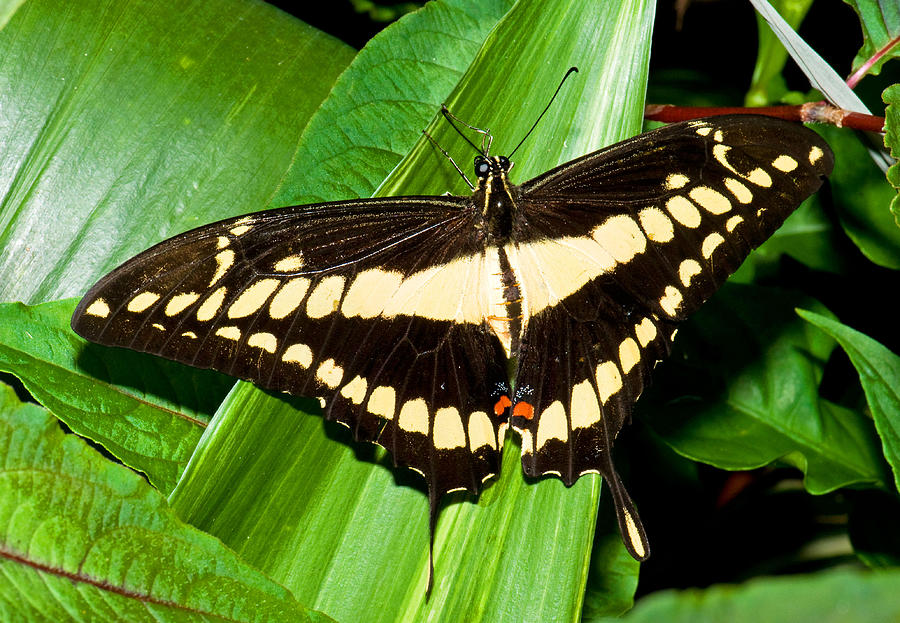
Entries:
{"x":83,"y":539}
{"x":891,"y":97}
{"x":380,"y":529}
{"x":879,"y":373}
{"x":845,"y":596}
{"x":747,"y":382}
{"x":148,"y":412}
{"x":768,"y":85}
{"x":863,"y":200}
{"x":124,"y":122}
{"x":378,"y":107}
{"x":880,"y":21}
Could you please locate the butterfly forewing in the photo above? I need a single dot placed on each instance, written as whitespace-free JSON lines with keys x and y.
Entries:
{"x":399,"y":313}
{"x":311,"y":301}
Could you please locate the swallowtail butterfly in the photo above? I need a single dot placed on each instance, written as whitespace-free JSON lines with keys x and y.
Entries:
{"x":400,"y":313}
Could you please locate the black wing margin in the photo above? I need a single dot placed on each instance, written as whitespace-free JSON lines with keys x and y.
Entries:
{"x":647,"y":230}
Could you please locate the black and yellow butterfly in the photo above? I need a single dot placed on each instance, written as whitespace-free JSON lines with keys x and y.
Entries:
{"x":400,"y":313}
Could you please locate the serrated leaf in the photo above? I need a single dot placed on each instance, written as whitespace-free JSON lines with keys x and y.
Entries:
{"x":86,"y":539}
{"x":148,"y":412}
{"x":879,"y":373}
{"x":891,"y":97}
{"x":757,"y":400}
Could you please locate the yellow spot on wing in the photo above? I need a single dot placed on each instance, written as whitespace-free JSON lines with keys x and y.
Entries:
{"x":740,"y":192}
{"x":683,"y":211}
{"x":240,"y":230}
{"x":784,"y":163}
{"x":645,"y":331}
{"x":179,"y":302}
{"x":815,"y":154}
{"x":288,"y":297}
{"x":253,"y":298}
{"x":481,"y":431}
{"x":98,"y":308}
{"x":686,"y":271}
{"x":265,"y":341}
{"x":330,"y":373}
{"x":629,"y":354}
{"x":298,"y":353}
{"x":370,"y":292}
{"x":712,"y":200}
{"x":671,"y":300}
{"x":634,"y":535}
{"x":609,"y":380}
{"x":289,"y":264}
{"x":710,"y":243}
{"x":325,"y":297}
{"x":211,"y":305}
{"x":229,"y":333}
{"x":552,"y":424}
{"x":142,"y":301}
{"x":621,"y":237}
{"x":759,"y":177}
{"x":224,"y":260}
{"x":448,"y":429}
{"x":676,"y":180}
{"x":656,"y":224}
{"x":355,"y":390}
{"x":585,"y":408}
{"x":733,"y":222}
{"x":383,"y":400}
{"x":413,"y":416}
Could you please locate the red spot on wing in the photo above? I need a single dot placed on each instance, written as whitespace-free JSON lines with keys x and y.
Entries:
{"x":502,"y":405}
{"x":523,"y":409}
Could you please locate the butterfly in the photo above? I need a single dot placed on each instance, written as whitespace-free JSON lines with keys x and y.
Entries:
{"x":401,"y":314}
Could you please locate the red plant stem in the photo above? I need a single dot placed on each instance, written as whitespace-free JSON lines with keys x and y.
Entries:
{"x":853,"y":80}
{"x":813,"y":112}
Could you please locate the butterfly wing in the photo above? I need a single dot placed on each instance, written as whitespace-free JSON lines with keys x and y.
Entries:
{"x":620,"y":246}
{"x":369,"y":305}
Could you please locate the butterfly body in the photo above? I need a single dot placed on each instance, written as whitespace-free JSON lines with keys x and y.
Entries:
{"x":401,"y":313}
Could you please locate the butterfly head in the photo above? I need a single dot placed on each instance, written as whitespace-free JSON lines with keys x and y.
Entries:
{"x":486,"y":166}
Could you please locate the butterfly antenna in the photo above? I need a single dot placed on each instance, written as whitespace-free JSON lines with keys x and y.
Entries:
{"x":450,"y":117}
{"x":541,"y":116}
{"x":448,"y":157}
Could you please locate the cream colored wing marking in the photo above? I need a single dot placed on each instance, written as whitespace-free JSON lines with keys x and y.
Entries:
{"x":375,"y":306}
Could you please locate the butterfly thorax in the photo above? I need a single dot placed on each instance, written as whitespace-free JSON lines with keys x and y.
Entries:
{"x":495,"y":212}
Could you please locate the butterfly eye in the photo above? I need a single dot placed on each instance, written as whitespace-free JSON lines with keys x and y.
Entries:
{"x":482,"y":166}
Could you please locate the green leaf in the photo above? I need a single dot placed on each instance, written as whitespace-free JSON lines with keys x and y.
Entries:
{"x":880,"y":23}
{"x":891,"y":97}
{"x":863,"y":200}
{"x":377,"y":109}
{"x":349,"y":525}
{"x":148,"y":412}
{"x":846,"y":596}
{"x":767,"y":84}
{"x":87,"y":539}
{"x":757,"y":400}
{"x":879,"y":373}
{"x":125,"y":122}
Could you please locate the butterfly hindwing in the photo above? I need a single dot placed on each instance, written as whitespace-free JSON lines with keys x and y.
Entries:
{"x":622,"y":245}
{"x":340,"y":301}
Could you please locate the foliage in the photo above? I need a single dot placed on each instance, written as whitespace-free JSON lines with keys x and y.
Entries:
{"x":124,"y":123}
